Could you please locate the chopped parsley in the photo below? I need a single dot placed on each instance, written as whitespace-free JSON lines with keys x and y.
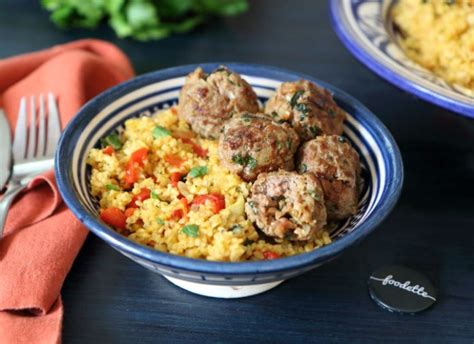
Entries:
{"x":159,"y":132}
{"x":111,"y":140}
{"x":279,"y":145}
{"x":295,"y":97}
{"x":248,"y":160}
{"x":160,"y":221}
{"x":154,"y":194}
{"x":111,"y":187}
{"x":303,"y":168}
{"x":251,"y":162}
{"x":303,"y":108}
{"x":274,"y":114}
{"x":197,"y":171}
{"x":315,"y":130}
{"x":191,"y":230}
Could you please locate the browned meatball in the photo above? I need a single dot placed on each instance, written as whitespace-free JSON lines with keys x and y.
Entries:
{"x":253,"y":143}
{"x":287,"y":205}
{"x":311,"y":110}
{"x":207,"y":101}
{"x":336,"y":164}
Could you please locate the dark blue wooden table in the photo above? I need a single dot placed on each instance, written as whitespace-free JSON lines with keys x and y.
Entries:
{"x":110,"y":299}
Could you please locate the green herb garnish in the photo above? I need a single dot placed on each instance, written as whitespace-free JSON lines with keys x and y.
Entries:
{"x":159,"y":132}
{"x":315,"y":130}
{"x":111,"y":187}
{"x":303,"y":168}
{"x":197,"y":171}
{"x":191,"y":230}
{"x":160,"y":221}
{"x":154,"y":194}
{"x":274,"y":114}
{"x":295,"y":97}
{"x":251,"y":162}
{"x":303,"y":108}
{"x":111,"y":140}
{"x":248,"y":161}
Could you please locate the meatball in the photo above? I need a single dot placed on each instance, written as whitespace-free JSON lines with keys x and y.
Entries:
{"x":287,"y":205}
{"x":207,"y":101}
{"x":253,"y":143}
{"x":336,"y":164}
{"x":311,"y":110}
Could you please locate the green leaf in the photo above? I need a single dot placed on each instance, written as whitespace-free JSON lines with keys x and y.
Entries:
{"x":141,"y":14}
{"x":247,"y":161}
{"x":251,"y":162}
{"x":112,"y":140}
{"x":197,"y":171}
{"x":160,"y":221}
{"x":154,"y":194}
{"x":112,"y":187}
{"x":159,"y":132}
{"x":295,"y":97}
{"x":191,"y":230}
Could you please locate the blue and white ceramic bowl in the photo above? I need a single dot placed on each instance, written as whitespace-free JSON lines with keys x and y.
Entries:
{"x":148,"y":93}
{"x":365,"y":28}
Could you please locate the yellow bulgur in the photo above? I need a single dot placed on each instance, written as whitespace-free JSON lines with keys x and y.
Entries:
{"x":225,"y":236}
{"x":439,"y":35}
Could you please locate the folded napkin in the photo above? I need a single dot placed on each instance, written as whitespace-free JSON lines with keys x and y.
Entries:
{"x":42,"y":237}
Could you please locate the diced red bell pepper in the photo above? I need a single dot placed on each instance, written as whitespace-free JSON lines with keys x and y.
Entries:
{"x":269,"y":255}
{"x":129,"y":212}
{"x":175,"y":178}
{"x":131,"y":175}
{"x":176,"y":214}
{"x":114,"y":217}
{"x":216,"y":200}
{"x":174,"y":160}
{"x":197,"y":149}
{"x":109,"y":150}
{"x":132,"y":171}
{"x":138,"y":157}
{"x":144,"y":194}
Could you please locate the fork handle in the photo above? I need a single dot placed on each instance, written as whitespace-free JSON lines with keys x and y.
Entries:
{"x":6,"y":201}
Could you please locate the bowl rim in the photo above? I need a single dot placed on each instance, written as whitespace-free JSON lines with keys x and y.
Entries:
{"x":390,"y":153}
{"x":394,"y":78}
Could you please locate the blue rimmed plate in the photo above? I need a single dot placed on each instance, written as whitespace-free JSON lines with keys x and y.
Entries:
{"x":365,"y":28}
{"x":149,"y":93}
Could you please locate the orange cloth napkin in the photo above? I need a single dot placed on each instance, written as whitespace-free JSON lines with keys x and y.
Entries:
{"x":42,"y":237}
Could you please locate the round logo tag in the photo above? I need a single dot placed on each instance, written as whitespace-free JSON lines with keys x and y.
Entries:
{"x":400,"y":289}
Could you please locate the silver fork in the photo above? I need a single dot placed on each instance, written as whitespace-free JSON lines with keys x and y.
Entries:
{"x":33,"y":147}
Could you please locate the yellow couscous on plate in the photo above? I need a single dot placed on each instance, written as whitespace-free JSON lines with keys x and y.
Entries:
{"x":162,"y":186}
{"x":439,"y":35}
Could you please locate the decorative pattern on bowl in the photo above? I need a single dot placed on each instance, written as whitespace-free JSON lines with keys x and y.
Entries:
{"x":365,"y":28}
{"x":149,"y":93}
